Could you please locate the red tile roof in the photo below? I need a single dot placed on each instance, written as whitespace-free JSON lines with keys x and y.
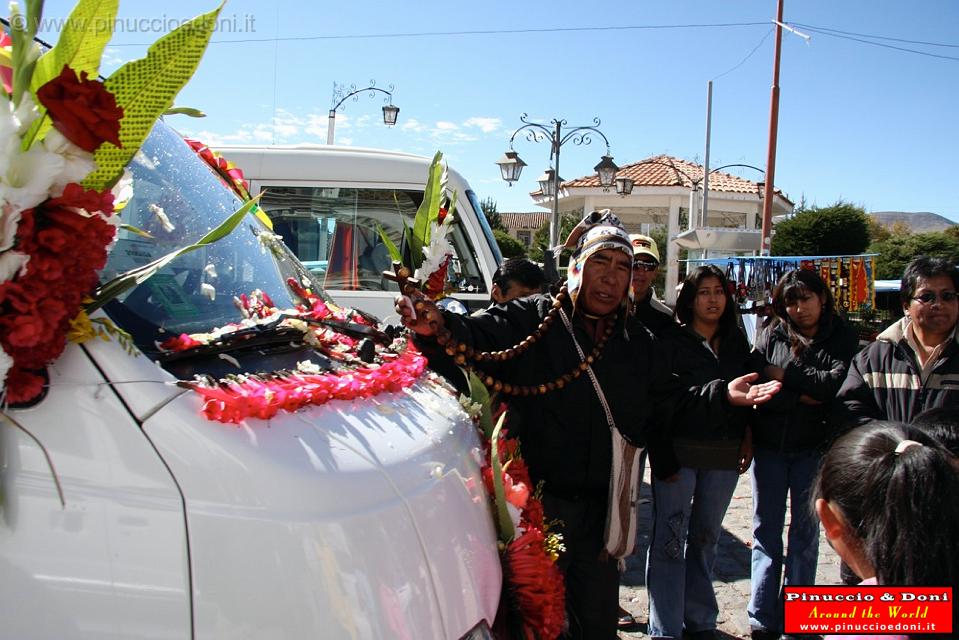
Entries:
{"x":667,"y":171}
{"x":531,"y":220}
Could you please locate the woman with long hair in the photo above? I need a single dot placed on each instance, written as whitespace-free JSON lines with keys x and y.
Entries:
{"x":807,"y":347}
{"x":696,"y":462}
{"x":886,"y":496}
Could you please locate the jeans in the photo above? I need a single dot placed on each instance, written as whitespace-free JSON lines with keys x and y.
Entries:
{"x":774,"y":474}
{"x":687,"y":520}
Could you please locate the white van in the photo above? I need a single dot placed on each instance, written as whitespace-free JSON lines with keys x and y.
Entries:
{"x":326,"y":201}
{"x":362,"y":518}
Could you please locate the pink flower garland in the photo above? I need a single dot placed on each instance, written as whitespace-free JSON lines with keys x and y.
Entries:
{"x":264,"y":396}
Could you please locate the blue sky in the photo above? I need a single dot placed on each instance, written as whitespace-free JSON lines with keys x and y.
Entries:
{"x":871,"y":125}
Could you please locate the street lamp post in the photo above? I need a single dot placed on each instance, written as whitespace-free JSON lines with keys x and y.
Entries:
{"x":511,"y":165}
{"x":390,"y":112}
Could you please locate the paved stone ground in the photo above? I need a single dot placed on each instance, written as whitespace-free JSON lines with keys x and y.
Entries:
{"x":731,"y":579}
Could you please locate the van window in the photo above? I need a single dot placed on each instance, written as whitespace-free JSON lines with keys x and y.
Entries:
{"x":333,"y":231}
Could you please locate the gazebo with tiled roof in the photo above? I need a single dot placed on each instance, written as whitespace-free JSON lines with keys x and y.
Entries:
{"x":665,"y":189}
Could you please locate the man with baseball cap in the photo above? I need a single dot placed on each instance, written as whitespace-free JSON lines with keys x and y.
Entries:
{"x":651,"y":312}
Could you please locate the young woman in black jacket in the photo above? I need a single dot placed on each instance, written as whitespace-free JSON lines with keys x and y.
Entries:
{"x":807,"y":347}
{"x":696,"y":461}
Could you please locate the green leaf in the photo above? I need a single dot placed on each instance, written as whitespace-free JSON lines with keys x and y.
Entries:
{"x":139,"y":275}
{"x":429,"y":209}
{"x":390,"y":247}
{"x":506,"y":531}
{"x":84,"y":36}
{"x":146,"y":88}
{"x":479,"y":393}
{"x":184,"y":111}
{"x":137,"y":231}
{"x":25,"y":50}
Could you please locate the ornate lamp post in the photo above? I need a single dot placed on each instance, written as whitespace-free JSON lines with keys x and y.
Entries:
{"x":390,"y":112}
{"x":511,"y":165}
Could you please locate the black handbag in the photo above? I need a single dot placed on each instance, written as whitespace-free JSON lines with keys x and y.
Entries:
{"x":721,"y":454}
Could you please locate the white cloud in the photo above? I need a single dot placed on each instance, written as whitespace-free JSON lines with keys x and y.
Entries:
{"x":486,"y":125}
{"x":413,"y":125}
{"x":442,"y":125}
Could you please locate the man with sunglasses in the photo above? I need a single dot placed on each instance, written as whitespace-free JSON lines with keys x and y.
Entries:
{"x":914,"y":364}
{"x":651,"y":312}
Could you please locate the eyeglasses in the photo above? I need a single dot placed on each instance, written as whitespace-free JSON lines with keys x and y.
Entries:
{"x":930,"y":297}
{"x":640,"y":265}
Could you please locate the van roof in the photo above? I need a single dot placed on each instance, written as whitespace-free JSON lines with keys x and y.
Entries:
{"x":316,"y":148}
{"x":332,"y":163}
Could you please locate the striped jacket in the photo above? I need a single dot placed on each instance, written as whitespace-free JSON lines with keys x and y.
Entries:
{"x":884,"y":382}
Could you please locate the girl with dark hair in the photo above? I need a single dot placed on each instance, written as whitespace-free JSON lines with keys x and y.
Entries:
{"x":696,"y":462}
{"x":886,"y":496}
{"x":807,"y":347}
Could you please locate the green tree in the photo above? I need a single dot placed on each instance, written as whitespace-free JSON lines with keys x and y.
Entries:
{"x":540,"y":241}
{"x":509,"y":246}
{"x":488,"y":205}
{"x":898,"y":250}
{"x":841,"y":229}
{"x":878,"y":232}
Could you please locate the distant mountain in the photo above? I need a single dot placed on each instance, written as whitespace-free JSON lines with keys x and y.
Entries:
{"x":918,"y":221}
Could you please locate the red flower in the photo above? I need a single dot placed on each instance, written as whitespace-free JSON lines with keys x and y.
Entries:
{"x":537,"y":584}
{"x":23,"y":386}
{"x":25,"y":330}
{"x":181,"y":342}
{"x":82,"y":110}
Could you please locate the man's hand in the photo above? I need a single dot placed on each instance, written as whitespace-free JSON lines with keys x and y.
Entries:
{"x":426,"y":321}
{"x":741,"y":391}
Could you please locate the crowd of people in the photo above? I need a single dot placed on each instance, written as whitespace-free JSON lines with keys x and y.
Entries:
{"x":599,"y":374}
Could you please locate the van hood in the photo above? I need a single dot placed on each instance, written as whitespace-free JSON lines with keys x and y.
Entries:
{"x":365,"y":518}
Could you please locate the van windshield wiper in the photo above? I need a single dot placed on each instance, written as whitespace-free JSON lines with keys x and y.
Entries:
{"x":260,"y":335}
{"x":273,"y":333}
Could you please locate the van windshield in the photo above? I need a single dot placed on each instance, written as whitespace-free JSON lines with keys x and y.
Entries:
{"x":177,"y":199}
{"x":334,"y":231}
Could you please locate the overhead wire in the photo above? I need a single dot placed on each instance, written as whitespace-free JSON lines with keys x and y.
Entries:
{"x":477,"y":32}
{"x":877,"y":44}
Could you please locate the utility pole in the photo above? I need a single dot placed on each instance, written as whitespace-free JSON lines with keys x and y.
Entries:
{"x":767,"y":229}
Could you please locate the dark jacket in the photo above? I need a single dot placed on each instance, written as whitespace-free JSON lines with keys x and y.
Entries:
{"x":657,"y":317}
{"x":884,"y":381}
{"x":564,"y":434}
{"x":700,"y":371}
{"x":785,"y":423}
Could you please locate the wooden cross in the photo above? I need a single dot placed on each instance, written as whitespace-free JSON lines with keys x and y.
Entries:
{"x":402,"y":277}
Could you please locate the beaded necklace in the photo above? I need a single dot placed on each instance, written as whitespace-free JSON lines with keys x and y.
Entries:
{"x":467,"y":357}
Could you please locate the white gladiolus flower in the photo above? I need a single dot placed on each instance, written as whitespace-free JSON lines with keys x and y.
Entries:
{"x":435,"y":253}
{"x":25,"y":114}
{"x":123,"y":190}
{"x":77,"y":163}
{"x":5,"y":363}
{"x":9,"y":219}
{"x":29,"y":177}
{"x":12,"y":263}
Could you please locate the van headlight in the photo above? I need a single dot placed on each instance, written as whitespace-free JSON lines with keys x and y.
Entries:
{"x":479,"y":632}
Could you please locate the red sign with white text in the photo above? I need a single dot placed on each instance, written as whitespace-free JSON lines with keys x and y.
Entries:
{"x":868,"y":609}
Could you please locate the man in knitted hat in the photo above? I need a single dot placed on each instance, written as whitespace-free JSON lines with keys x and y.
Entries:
{"x":584,"y":388}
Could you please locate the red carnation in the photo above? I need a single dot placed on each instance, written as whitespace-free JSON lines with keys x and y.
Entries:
{"x":82,"y":110}
{"x":22,"y":386}
{"x":25,"y":330}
